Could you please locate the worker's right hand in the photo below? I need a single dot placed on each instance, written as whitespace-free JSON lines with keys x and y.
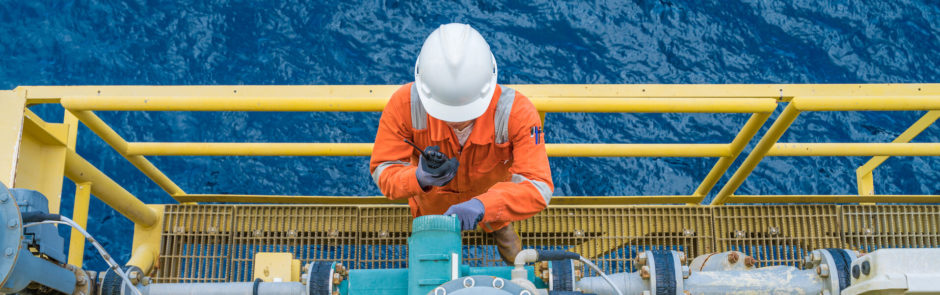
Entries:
{"x":437,"y":170}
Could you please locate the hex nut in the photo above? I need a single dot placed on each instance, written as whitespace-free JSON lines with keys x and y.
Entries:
{"x":856,"y":271}
{"x":823,"y":270}
{"x":733,"y":257}
{"x":749,"y":261}
{"x":645,"y":272}
{"x":866,"y":267}
{"x":641,"y":259}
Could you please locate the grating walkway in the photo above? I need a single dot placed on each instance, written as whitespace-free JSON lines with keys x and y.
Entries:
{"x":216,"y":243}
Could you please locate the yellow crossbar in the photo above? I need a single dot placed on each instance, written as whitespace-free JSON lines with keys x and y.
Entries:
{"x":366,"y":200}
{"x":365,"y":149}
{"x":863,"y":103}
{"x":854,"y":149}
{"x":372,"y":104}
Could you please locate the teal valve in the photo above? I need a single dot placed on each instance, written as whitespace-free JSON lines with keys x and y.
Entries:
{"x":434,"y":253}
{"x":434,"y":258}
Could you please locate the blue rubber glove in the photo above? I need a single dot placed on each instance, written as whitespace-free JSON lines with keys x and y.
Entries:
{"x":436,"y":171}
{"x":470,"y":213}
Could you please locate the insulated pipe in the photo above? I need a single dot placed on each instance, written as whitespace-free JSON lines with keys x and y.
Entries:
{"x":730,"y":260}
{"x":767,"y":280}
{"x":276,"y":288}
{"x":629,"y":283}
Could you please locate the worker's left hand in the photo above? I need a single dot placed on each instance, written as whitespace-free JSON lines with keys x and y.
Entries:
{"x":470,"y":213}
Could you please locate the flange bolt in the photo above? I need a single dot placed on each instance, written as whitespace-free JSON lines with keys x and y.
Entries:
{"x":749,"y":261}
{"x":645,"y":272}
{"x":823,"y":270}
{"x":641,"y":259}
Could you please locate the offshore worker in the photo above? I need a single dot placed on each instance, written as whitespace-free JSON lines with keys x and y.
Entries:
{"x":478,"y":148}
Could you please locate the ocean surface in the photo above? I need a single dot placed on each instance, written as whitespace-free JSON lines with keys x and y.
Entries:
{"x":60,"y":42}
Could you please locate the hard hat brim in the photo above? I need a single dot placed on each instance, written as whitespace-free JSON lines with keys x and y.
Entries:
{"x":461,"y":113}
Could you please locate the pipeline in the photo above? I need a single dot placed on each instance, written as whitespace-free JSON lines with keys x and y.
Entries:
{"x":825,"y":271}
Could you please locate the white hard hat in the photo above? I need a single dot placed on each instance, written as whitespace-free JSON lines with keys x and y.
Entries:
{"x":455,"y":73}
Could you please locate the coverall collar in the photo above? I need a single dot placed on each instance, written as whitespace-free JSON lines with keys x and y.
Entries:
{"x":483,"y":126}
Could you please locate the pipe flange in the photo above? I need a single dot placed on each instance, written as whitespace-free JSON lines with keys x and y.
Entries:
{"x":11,"y":233}
{"x":83,"y":282}
{"x":112,"y":284}
{"x":479,"y":285}
{"x":562,"y":275}
{"x":665,"y":275}
{"x":835,"y":267}
{"x":324,"y":277}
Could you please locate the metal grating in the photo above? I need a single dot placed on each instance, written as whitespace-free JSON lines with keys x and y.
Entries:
{"x":868,"y":228}
{"x":311,"y":233}
{"x":385,"y":232}
{"x":197,"y":242}
{"x":777,"y":235}
{"x":612,"y":236}
{"x":217,"y":243}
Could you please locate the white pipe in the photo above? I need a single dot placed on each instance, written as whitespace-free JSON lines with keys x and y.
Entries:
{"x":278,"y":288}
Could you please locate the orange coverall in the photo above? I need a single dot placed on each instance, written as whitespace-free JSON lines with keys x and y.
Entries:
{"x":512,"y":179}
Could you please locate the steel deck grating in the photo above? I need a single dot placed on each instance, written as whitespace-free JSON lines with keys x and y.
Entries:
{"x":217,"y":243}
{"x":612,"y":236}
{"x":196,"y":245}
{"x":868,"y":228}
{"x":777,"y":235}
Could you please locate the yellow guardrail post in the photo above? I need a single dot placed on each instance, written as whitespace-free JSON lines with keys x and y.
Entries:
{"x":864,"y":173}
{"x":776,"y":130}
{"x":768,"y":145}
{"x":737,"y":145}
{"x":79,"y":170}
{"x":80,"y":216}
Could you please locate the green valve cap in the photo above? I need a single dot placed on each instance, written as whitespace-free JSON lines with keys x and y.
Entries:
{"x":435,"y":223}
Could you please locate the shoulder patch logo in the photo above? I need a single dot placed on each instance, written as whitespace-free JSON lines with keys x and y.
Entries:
{"x":536,"y":133}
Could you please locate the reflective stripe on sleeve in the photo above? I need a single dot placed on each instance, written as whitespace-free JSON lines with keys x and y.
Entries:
{"x":542,"y":187}
{"x":378,"y":170}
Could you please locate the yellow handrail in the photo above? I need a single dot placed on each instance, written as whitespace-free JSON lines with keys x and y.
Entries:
{"x":768,"y":146}
{"x":82,"y":107}
{"x":758,"y":100}
{"x":866,"y":185}
{"x":365,"y":149}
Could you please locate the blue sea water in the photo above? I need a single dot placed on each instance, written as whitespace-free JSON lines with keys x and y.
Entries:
{"x":61,"y":42}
